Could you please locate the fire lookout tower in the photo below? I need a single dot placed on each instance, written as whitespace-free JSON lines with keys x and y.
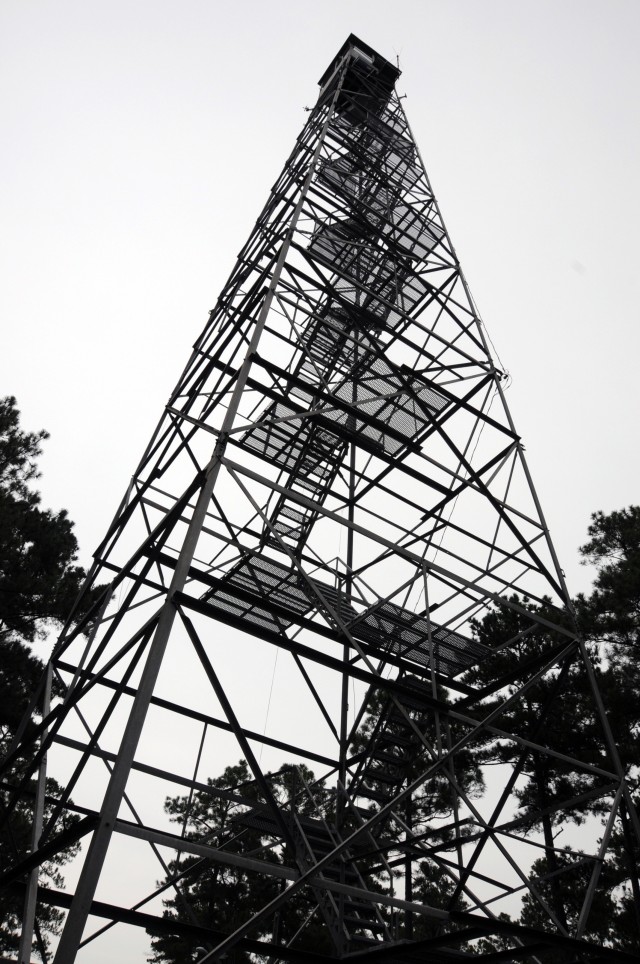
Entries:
{"x":336,"y":483}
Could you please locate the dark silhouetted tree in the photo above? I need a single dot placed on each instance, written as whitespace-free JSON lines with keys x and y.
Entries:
{"x":222,"y":896}
{"x":610,"y":619}
{"x":541,"y":714}
{"x":39,"y":581}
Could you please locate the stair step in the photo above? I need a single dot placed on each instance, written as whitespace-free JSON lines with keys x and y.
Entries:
{"x":304,"y":482}
{"x":387,"y":738}
{"x":418,"y":710}
{"x":289,"y":512}
{"x":285,"y":528}
{"x":310,"y":466}
{"x":318,"y":832}
{"x":362,"y":940}
{"x":385,"y":776}
{"x":351,"y":877}
{"x":373,"y":795}
{"x":353,"y":904}
{"x":368,"y":924}
{"x":394,"y":759}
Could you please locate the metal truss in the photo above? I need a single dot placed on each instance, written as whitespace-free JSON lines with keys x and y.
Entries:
{"x":336,"y":478}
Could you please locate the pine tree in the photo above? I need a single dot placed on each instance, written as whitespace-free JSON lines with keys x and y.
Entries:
{"x":541,"y":714}
{"x":222,"y":896}
{"x":610,"y":620}
{"x":39,"y":581}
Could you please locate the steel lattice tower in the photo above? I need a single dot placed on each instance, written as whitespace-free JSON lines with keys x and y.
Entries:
{"x":335,"y":479}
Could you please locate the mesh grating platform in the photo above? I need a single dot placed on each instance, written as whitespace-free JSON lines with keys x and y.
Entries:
{"x":345,"y":247}
{"x":278,"y":441}
{"x":336,"y":600}
{"x":399,"y":406}
{"x":376,"y":280}
{"x":296,"y":444}
{"x":412,"y":231}
{"x":272,"y":595}
{"x":248,"y":590}
{"x":329,"y":347}
{"x":407,"y":635}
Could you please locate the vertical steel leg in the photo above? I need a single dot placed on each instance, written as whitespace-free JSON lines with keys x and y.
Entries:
{"x":29,"y":915}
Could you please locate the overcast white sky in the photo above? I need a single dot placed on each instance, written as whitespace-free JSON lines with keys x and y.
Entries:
{"x":141,"y":138}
